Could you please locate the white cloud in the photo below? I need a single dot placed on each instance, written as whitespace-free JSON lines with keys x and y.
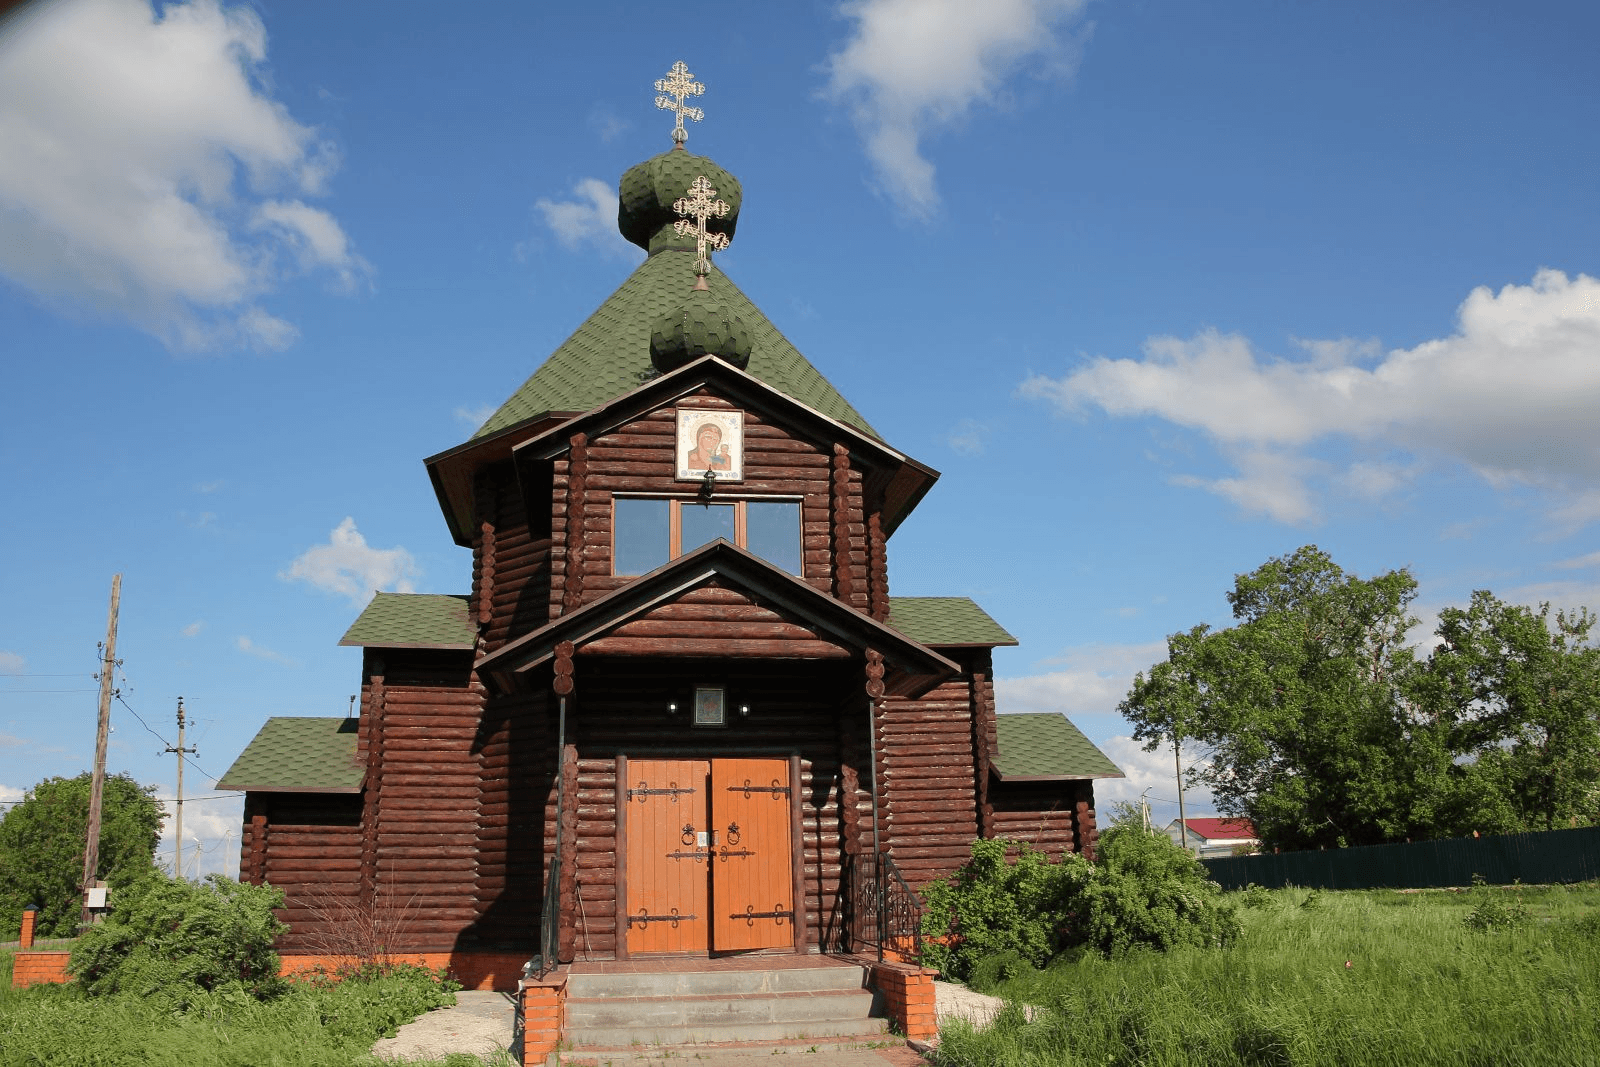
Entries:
{"x":207,"y":488}
{"x":8,"y":741}
{"x":474,"y":417}
{"x":349,"y":566}
{"x":250,"y":648}
{"x":11,"y":663}
{"x":588,"y":219}
{"x":1095,"y":679}
{"x":1156,"y":772}
{"x":210,"y":834}
{"x":913,"y":66}
{"x":193,"y":630}
{"x":139,"y":155}
{"x":1511,"y":394}
{"x":967,"y":437}
{"x":1580,"y":562}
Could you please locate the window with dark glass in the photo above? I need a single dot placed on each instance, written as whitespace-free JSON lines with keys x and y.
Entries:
{"x":650,"y":531}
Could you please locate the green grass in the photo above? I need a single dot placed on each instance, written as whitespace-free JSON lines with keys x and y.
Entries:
{"x":1359,"y":978}
{"x":308,"y":1027}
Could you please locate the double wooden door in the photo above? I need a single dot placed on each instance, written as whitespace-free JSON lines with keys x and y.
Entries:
{"x":709,"y":855}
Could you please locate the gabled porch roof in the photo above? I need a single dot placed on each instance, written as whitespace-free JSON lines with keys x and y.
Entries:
{"x":913,"y":668}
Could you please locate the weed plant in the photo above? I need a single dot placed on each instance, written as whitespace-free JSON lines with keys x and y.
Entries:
{"x":1356,"y":978}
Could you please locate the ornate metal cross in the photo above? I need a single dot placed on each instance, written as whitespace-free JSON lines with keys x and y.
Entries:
{"x":679,"y":83}
{"x":701,"y":204}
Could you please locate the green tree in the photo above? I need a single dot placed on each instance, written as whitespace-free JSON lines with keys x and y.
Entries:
{"x":1301,"y":704}
{"x":1517,"y":694}
{"x":42,"y":841}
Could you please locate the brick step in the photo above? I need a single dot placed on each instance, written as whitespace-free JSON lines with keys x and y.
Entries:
{"x":835,"y":977}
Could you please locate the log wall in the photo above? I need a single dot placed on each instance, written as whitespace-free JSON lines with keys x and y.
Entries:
{"x":421,"y":710}
{"x":510,"y":562}
{"x":929,"y":809}
{"x":309,"y":846}
{"x":640,"y":457}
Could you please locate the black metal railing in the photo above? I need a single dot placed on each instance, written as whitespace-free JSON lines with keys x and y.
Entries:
{"x":881,"y":910}
{"x":549,"y":922}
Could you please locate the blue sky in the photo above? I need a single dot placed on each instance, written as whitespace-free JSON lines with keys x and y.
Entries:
{"x":1163,"y":290}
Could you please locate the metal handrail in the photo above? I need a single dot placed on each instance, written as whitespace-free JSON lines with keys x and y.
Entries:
{"x":549,"y":922}
{"x":882,"y":909}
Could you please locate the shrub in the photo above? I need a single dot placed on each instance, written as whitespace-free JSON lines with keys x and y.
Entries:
{"x":1143,"y":891}
{"x":1491,"y":912}
{"x":991,"y":906}
{"x":1146,"y":891}
{"x":168,"y":936}
{"x":1255,"y":896}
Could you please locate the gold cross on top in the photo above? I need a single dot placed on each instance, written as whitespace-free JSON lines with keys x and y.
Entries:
{"x":677,"y":85}
{"x":701,"y":204}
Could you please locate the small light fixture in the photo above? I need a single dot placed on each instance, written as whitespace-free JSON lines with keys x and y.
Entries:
{"x":744,"y":710}
{"x":672,"y":708}
{"x":708,"y":484}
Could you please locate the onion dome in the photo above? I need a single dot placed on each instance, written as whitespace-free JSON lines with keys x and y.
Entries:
{"x":649,"y":189}
{"x":702,"y":326}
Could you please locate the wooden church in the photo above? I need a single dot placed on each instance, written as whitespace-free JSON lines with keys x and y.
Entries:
{"x":678,"y":712}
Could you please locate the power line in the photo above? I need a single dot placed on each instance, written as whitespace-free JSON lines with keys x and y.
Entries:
{"x":4,"y":691}
{"x":158,"y":737}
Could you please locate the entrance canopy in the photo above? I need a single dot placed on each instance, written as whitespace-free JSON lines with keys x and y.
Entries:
{"x":778,"y":617}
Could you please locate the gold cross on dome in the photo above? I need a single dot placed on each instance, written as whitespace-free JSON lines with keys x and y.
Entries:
{"x":701,"y":204}
{"x":679,"y":83}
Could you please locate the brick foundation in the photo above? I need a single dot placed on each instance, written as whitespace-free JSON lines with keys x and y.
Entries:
{"x":540,"y":1010}
{"x":908,"y":998}
{"x":35,"y":968}
{"x":498,"y":971}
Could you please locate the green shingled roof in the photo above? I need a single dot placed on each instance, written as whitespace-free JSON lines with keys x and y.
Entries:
{"x":413,"y":620}
{"x":1047,"y":745}
{"x":299,"y":756}
{"x":610,"y":353}
{"x":945,"y":620}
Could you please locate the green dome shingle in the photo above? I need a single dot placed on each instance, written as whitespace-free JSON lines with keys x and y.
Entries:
{"x":648,"y":190}
{"x":701,"y":326}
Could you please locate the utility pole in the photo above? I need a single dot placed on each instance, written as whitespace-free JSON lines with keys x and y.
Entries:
{"x":97,"y":784}
{"x":1177,"y":761}
{"x":177,"y":866}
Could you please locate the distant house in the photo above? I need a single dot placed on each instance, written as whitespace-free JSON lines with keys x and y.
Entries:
{"x":1216,"y":837}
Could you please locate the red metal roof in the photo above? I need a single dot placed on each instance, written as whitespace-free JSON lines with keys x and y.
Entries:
{"x":1222,"y":829}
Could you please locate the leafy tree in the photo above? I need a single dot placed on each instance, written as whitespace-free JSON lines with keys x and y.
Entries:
{"x":42,"y":842}
{"x":1517,"y":695}
{"x":1325,"y":730}
{"x":167,"y":936}
{"x":1300,"y":704}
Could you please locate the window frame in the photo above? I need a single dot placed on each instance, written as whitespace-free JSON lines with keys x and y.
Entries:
{"x":677,"y":501}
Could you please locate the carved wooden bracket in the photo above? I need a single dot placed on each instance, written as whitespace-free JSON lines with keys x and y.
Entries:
{"x":577,"y":490}
{"x":843,"y":582}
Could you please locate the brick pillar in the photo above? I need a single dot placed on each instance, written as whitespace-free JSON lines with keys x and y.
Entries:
{"x":28,"y":916}
{"x":541,"y":1009}
{"x":909,"y":999}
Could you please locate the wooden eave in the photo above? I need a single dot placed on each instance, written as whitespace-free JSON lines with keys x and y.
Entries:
{"x":913,"y":668}
{"x":999,"y":776}
{"x":344,"y":790}
{"x":452,"y":470}
{"x":902,"y":480}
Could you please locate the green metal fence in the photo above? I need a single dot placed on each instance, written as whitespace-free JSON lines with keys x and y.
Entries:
{"x":1535,"y":858}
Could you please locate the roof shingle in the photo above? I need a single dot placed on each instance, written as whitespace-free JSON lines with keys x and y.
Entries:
{"x":610,"y":353}
{"x":1047,"y":745}
{"x":299,"y":755}
{"x":413,"y":620}
{"x":945,"y":621}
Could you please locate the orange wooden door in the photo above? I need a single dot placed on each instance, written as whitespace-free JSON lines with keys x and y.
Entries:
{"x":752,"y":883}
{"x":668,"y":858}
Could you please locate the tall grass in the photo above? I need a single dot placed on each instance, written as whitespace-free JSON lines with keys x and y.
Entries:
{"x":1367,"y":978}
{"x":310,"y":1026}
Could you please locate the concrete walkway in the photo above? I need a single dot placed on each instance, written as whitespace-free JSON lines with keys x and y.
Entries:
{"x":481,"y":1024}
